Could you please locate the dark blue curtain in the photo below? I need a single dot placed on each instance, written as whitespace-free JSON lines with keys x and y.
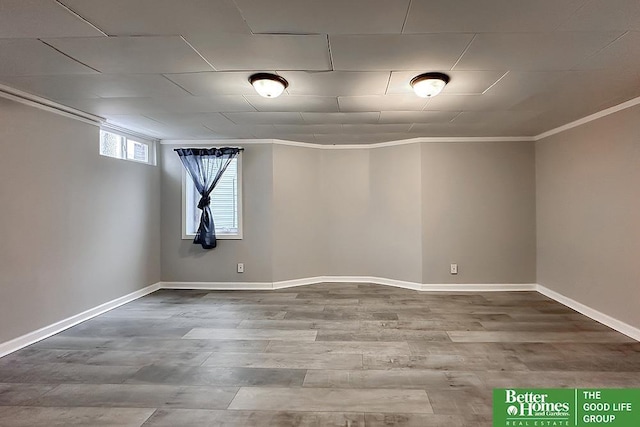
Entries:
{"x":205,"y":167}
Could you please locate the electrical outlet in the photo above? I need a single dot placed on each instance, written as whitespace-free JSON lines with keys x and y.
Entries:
{"x":240,"y":267}
{"x":454,"y":268}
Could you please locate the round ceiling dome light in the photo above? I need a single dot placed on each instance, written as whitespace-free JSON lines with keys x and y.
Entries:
{"x":429,"y":84}
{"x":268,"y":85}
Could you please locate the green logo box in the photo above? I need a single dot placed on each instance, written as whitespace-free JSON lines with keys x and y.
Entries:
{"x":557,"y":407}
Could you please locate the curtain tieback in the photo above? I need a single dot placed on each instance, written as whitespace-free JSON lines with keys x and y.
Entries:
{"x":204,"y":201}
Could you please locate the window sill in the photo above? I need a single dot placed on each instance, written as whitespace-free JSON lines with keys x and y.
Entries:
{"x":218,"y":236}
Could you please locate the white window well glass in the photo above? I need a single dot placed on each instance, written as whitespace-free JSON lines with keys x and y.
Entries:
{"x":111,"y":144}
{"x":137,"y":151}
{"x":120,"y":147}
{"x":226,"y":203}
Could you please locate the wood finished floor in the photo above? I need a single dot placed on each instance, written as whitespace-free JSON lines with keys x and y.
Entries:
{"x":321,"y":355}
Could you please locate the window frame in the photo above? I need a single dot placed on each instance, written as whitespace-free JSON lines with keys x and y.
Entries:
{"x":151,"y":146}
{"x":219,"y":236}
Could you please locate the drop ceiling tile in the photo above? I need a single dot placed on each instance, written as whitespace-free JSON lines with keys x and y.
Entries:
{"x":257,"y":118}
{"x":426,"y":52}
{"x":456,"y":103}
{"x":212,"y":134}
{"x":192,"y":132}
{"x":351,"y":118}
{"x":262,"y":132}
{"x":509,"y":91}
{"x":230,"y":129}
{"x":96,"y":86}
{"x":294,"y":103}
{"x":189,"y":119}
{"x":308,"y":129}
{"x":459,"y":130}
{"x":302,"y":137}
{"x":32,"y":57}
{"x":41,"y":18}
{"x":495,"y":117}
{"x":523,"y":83}
{"x":576,"y":96}
{"x":131,"y":123}
{"x":377,"y":129}
{"x":462,"y":82}
{"x":623,"y":53}
{"x":324,"y":17}
{"x":463,"y":16}
{"x":53,"y":87}
{"x":337,"y":83}
{"x":532,"y":51}
{"x":160,"y":17}
{"x":205,"y":104}
{"x":137,"y":123}
{"x":353,"y":138}
{"x":442,"y":129}
{"x":131,"y":55}
{"x":530,"y":127}
{"x":381,"y":103}
{"x":258,"y":131}
{"x":237,"y":132}
{"x":133,"y":85}
{"x":605,"y":15}
{"x":214,"y":83}
{"x":264,"y":52}
{"x":119,"y":106}
{"x":300,"y":133}
{"x":417,"y":116}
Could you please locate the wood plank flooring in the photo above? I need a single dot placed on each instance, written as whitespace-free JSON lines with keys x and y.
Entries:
{"x":322,"y":355}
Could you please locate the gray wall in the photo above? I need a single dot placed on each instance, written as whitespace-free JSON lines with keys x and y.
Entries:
{"x":345,"y":196}
{"x":588,"y":214}
{"x":182,"y":261}
{"x":478,"y":210}
{"x":395,"y":210}
{"x":299,"y":237}
{"x":76,"y":229}
{"x":402,"y":212}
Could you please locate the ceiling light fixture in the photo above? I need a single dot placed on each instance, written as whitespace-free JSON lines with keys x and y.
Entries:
{"x":429,"y":84}
{"x":268,"y":85}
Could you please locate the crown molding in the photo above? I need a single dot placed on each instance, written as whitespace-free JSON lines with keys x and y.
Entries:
{"x":365,"y":146}
{"x":48,"y":105}
{"x":595,"y":116}
{"x":220,"y":142}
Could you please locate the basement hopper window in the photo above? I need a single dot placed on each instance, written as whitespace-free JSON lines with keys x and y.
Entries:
{"x":122,"y":147}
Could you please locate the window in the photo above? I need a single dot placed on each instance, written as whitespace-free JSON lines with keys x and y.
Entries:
{"x":226,"y":203}
{"x":121,"y":147}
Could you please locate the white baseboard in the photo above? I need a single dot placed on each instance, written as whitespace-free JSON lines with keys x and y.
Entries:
{"x":605,"y":319}
{"x":375,"y":280}
{"x":425,"y":287}
{"x":298,"y":282}
{"x":479,"y":287}
{"x":219,"y":286}
{"x":42,"y":333}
